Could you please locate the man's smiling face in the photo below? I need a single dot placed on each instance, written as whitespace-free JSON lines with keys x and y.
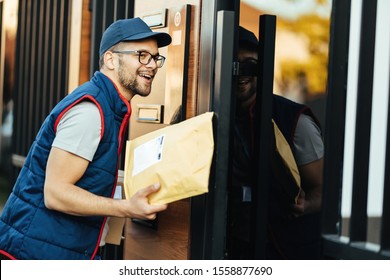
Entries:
{"x":132,"y":75}
{"x":246,"y":91}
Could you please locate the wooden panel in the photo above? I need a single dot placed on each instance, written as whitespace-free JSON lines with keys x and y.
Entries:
{"x":169,"y":241}
{"x":85,"y":44}
{"x":193,"y":57}
{"x":193,"y":63}
{"x":177,"y":65}
{"x":157,"y":95}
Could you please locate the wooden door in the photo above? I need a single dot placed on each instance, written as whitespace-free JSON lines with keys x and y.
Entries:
{"x":169,"y":236}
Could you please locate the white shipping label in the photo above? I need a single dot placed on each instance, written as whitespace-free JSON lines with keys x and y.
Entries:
{"x":148,"y":154}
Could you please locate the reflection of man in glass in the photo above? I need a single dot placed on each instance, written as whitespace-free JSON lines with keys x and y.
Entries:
{"x":293,"y":227}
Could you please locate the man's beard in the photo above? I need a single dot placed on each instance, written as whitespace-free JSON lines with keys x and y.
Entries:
{"x":129,"y":82}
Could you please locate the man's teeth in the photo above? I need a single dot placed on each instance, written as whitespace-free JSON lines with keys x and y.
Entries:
{"x":146,"y":76}
{"x":242,"y":82}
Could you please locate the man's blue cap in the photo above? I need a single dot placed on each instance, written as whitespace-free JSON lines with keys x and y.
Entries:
{"x":247,"y":37}
{"x":134,"y":29}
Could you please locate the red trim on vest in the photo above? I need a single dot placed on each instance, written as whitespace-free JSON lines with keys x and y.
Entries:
{"x":89,"y":97}
{"x":127,"y":102}
{"x":7,"y":255}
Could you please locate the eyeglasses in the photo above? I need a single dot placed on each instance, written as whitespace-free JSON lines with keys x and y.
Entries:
{"x":145,"y":57}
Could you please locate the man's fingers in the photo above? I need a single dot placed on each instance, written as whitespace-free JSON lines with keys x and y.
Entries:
{"x":149,"y":190}
{"x":155,"y":209}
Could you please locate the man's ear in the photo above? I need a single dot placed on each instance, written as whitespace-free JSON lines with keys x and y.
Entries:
{"x":109,"y":60}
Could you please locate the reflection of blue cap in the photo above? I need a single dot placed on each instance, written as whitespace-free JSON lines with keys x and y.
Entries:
{"x":133,"y":29}
{"x":244,"y":35}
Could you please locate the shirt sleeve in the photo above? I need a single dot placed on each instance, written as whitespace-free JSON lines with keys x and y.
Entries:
{"x":308,"y":142}
{"x":79,"y":129}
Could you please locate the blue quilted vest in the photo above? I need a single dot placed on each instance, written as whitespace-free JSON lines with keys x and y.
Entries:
{"x":28,"y":230}
{"x":286,"y":114}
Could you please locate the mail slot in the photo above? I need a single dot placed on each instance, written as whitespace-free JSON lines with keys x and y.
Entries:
{"x":149,"y":113}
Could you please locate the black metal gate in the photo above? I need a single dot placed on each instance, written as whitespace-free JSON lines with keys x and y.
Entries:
{"x":41,"y":71}
{"x":335,"y":246}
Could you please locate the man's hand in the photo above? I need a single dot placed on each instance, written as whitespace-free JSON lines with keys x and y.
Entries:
{"x":139,"y":206}
{"x":298,"y":208}
{"x":310,"y":200}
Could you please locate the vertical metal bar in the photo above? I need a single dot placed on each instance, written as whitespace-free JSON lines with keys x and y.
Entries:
{"x":52,"y":50}
{"x":19,"y":60}
{"x":267,"y":30}
{"x":40,"y":65}
{"x":335,"y":115}
{"x":33,"y":69}
{"x":385,"y":224}
{"x":46,"y":68}
{"x":109,"y":12}
{"x":66,"y":53}
{"x":97,"y":26}
{"x":2,"y":64}
{"x":129,"y":9}
{"x":207,"y":50}
{"x":61,"y":35}
{"x":222,"y":108}
{"x":59,"y":49}
{"x":358,"y":225}
{"x":206,"y":57}
{"x":120,"y":12}
{"x":25,"y":94}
